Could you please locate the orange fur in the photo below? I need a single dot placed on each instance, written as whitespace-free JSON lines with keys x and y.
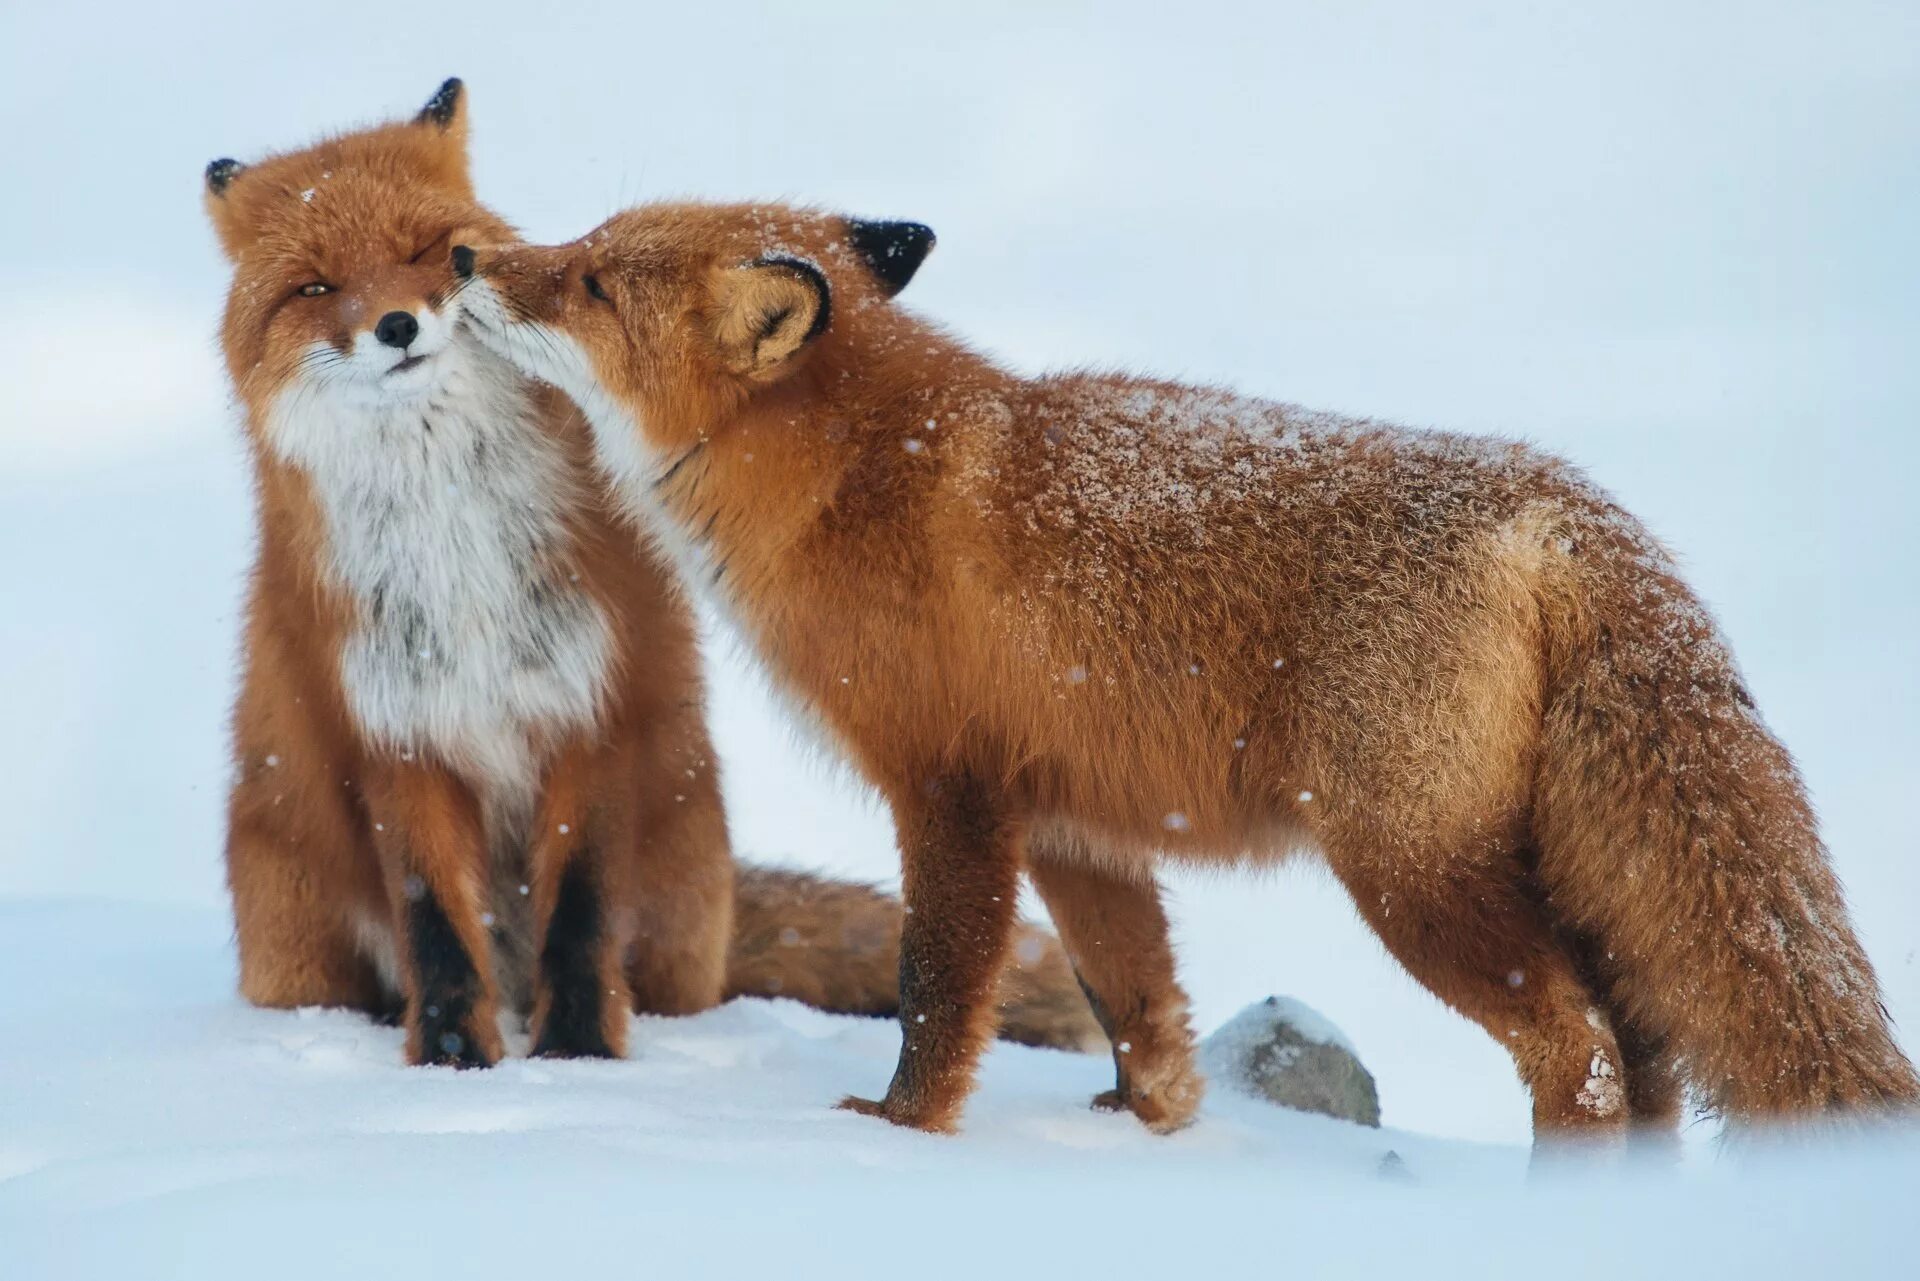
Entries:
{"x":410,"y":870}
{"x":1086,"y":622}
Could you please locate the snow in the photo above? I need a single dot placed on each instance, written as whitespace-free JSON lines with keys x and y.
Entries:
{"x":151,"y":1125}
{"x":1686,"y":265}
{"x":1254,"y":1026}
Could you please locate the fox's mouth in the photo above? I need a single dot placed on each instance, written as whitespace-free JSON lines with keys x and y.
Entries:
{"x":411,"y":362}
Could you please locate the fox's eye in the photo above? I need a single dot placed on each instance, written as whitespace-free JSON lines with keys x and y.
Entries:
{"x":593,"y":287}
{"x":426,"y":249}
{"x":315,"y":288}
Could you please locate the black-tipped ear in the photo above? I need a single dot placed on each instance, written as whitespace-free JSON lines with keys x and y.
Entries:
{"x":220,"y":173}
{"x":894,"y":250}
{"x":444,"y":105}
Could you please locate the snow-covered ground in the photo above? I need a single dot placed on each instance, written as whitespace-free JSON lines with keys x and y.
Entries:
{"x":155,"y":1128}
{"x":1672,"y":242}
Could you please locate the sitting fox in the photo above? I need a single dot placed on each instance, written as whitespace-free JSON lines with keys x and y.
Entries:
{"x":1075,"y":623}
{"x":472,"y":763}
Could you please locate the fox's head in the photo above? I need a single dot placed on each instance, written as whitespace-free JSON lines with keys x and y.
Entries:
{"x":668,"y":318}
{"x":342,"y":289}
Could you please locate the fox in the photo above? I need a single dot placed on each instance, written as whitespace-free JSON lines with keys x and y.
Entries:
{"x":1082,"y":625}
{"x":472,"y":774}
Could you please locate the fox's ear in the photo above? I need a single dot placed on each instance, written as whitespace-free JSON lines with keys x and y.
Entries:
{"x":227,"y":221}
{"x":893,"y":250}
{"x":220,"y":173}
{"x":442,"y":126}
{"x":767,"y":311}
{"x":447,"y":109}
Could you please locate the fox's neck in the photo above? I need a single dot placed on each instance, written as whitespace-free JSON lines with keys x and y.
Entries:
{"x":852,"y":444}
{"x":821,"y":520}
{"x":447,"y":527}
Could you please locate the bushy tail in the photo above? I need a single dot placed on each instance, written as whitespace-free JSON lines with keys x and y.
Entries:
{"x":835,"y":945}
{"x":1673,"y":828}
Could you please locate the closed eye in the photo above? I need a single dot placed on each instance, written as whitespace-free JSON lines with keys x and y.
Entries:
{"x":428,"y":248}
{"x":593,"y":287}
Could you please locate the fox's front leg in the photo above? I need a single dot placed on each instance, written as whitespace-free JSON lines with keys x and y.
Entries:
{"x":585,"y":827}
{"x":960,"y":859}
{"x":432,"y":846}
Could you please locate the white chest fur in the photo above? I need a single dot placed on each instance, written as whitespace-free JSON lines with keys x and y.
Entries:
{"x":446,"y":522}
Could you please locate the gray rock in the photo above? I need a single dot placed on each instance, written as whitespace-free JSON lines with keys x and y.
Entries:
{"x":1285,"y":1052}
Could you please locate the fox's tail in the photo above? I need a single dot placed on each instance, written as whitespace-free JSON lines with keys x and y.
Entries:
{"x":835,"y":945}
{"x":1674,"y":830}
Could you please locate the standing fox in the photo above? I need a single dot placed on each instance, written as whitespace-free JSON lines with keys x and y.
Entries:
{"x":473,"y":771}
{"x":1074,"y":622}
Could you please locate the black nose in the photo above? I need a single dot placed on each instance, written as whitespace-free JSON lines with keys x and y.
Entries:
{"x":462,"y":261}
{"x":397,"y":329}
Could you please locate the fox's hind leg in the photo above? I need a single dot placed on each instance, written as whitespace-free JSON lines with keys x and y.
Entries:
{"x":1116,"y":935}
{"x":1463,"y":926}
{"x":309,"y":911}
{"x":1655,"y":1088}
{"x":1656,"y":1092}
{"x":679,"y":875}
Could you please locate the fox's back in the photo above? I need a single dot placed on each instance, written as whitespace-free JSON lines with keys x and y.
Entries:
{"x":1120,"y":475}
{"x":1190,"y":588}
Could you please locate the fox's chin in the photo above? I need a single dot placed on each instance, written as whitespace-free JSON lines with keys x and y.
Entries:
{"x":393,"y":388}
{"x":427,"y":373}
{"x":411,"y":362}
{"x":410,"y":379}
